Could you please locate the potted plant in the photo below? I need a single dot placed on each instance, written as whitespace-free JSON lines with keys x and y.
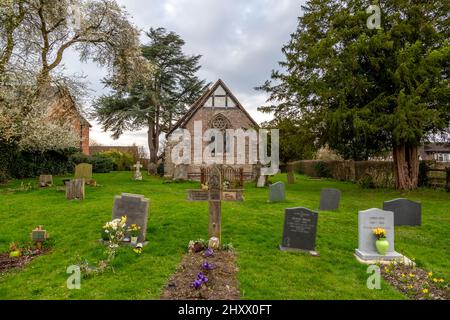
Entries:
{"x":381,"y":243}
{"x":134,"y":232}
{"x":14,"y":250}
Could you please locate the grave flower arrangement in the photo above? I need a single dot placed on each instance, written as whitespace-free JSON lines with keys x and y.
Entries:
{"x":381,"y":243}
{"x":134,"y":232}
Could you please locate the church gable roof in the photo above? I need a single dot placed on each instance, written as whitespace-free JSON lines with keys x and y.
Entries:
{"x":217,"y":96}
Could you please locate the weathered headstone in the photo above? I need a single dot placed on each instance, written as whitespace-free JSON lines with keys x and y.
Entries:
{"x":180,"y":172}
{"x":277,"y":192}
{"x":45,"y":180}
{"x":406,"y":212}
{"x":300,"y":229}
{"x":367,"y":221}
{"x":83,"y":171}
{"x":329,"y":199}
{"x":135,"y":208}
{"x":75,"y":189}
{"x":137,"y":175}
{"x":261,"y":182}
{"x":290,"y":177}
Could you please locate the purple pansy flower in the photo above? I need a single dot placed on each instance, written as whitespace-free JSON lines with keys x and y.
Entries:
{"x":208,"y":252}
{"x":207,"y":266}
{"x":197,"y":284}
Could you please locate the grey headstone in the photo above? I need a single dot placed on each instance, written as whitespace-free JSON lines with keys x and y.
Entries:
{"x":135,"y":208}
{"x":369,"y":220}
{"x":277,"y":192}
{"x":329,"y":199}
{"x":406,"y":212}
{"x":300,"y":228}
{"x":180,"y":172}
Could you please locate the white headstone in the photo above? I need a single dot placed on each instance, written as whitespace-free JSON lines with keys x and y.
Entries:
{"x":369,"y":220}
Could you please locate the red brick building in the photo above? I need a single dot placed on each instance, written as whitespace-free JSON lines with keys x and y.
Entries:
{"x":62,"y":108}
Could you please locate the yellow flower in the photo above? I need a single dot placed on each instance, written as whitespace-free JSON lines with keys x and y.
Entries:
{"x":425,"y":291}
{"x":410,"y":286}
{"x":430,"y":274}
{"x":411,"y":275}
{"x":403,"y":275}
{"x":435,"y":280}
{"x":441,"y":280}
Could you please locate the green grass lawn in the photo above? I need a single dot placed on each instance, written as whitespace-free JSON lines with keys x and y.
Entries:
{"x":254,"y":227}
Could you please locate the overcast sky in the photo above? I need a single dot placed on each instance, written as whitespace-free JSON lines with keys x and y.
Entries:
{"x":240,"y":42}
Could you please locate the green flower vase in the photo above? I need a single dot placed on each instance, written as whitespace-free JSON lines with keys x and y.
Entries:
{"x":382,"y":246}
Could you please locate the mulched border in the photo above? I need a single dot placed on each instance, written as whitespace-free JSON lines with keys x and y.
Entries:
{"x":415,"y":282}
{"x":222,"y":283}
{"x":8,"y":263}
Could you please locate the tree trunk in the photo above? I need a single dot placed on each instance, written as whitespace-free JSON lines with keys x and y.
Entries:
{"x":406,"y":166}
{"x":152,"y":147}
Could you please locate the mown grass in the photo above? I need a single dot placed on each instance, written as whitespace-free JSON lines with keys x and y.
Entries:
{"x":254,"y":227}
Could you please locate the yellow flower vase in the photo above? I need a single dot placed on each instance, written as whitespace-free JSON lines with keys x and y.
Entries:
{"x":382,"y":246}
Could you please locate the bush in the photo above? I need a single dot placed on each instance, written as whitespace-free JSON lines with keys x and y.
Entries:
{"x":122,"y":160}
{"x":366,"y":182}
{"x":78,"y":158}
{"x":423,"y":174}
{"x":322,"y":169}
{"x":101,"y":163}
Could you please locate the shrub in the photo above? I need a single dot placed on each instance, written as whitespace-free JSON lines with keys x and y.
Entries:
{"x":322,"y":169}
{"x":122,"y":160}
{"x":101,"y":163}
{"x":423,"y":174}
{"x":78,"y":158}
{"x":366,"y":182}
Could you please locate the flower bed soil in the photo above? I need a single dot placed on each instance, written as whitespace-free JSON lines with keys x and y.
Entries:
{"x":7,"y":263}
{"x":222,"y":283}
{"x":416,"y":283}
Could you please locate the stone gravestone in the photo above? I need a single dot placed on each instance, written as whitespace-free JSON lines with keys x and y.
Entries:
{"x":262,"y":181}
{"x":75,"y":189}
{"x":329,"y":199}
{"x":45,"y":180}
{"x":290,"y":177}
{"x":367,"y":221}
{"x":277,"y":192}
{"x":180,"y":172}
{"x":135,"y":208}
{"x":83,"y":171}
{"x":300,"y":228}
{"x":406,"y":212}
{"x":137,"y":175}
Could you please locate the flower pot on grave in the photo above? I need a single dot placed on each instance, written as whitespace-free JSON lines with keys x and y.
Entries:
{"x":382,"y":246}
{"x":14,"y":254}
{"x":134,"y":241}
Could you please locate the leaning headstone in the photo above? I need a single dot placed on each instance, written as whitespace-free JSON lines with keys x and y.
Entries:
{"x":75,"y":189}
{"x":367,"y":221}
{"x":45,"y":180}
{"x":135,"y":208}
{"x":83,"y":171}
{"x":290,"y":177}
{"x":180,"y":172}
{"x":300,"y":229}
{"x":329,"y":199}
{"x":406,"y":212}
{"x":262,"y":182}
{"x":137,"y":175}
{"x":277,"y":192}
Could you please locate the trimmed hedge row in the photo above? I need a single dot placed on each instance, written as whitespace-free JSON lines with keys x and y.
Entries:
{"x":370,"y":174}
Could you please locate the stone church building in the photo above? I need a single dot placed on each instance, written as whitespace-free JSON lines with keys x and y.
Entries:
{"x":217,"y":108}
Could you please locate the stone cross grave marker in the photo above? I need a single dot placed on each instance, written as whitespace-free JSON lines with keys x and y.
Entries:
{"x":135,"y":208}
{"x":406,"y":212}
{"x":300,"y":229}
{"x":367,"y":221}
{"x":137,"y":175}
{"x":329,"y":199}
{"x":75,"y":189}
{"x":45,"y":180}
{"x":215,"y":195}
{"x":277,"y":192}
{"x":83,"y":171}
